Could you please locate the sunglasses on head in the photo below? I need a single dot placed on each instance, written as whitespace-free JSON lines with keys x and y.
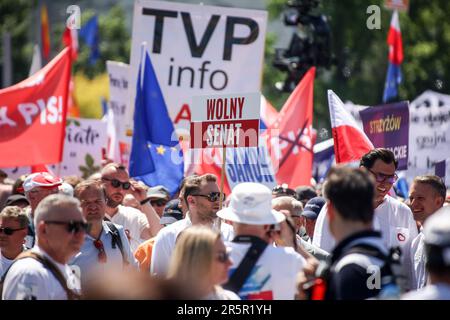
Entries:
{"x":212,"y":197}
{"x":284,"y":190}
{"x":98,"y":244}
{"x":158,"y":202}
{"x":9,"y":231}
{"x":72,"y":226}
{"x":380,"y":177}
{"x":223,"y":257}
{"x":117,"y":183}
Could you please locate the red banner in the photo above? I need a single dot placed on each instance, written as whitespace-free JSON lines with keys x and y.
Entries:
{"x":33,"y":116}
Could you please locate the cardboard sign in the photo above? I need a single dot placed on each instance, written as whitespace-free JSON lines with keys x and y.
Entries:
{"x":196,"y":50}
{"x":225,"y":121}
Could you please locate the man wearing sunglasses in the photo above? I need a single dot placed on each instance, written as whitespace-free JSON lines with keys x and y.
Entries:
{"x":37,"y":186}
{"x":158,"y":197}
{"x":202,"y":197}
{"x":13,"y":229}
{"x":137,"y":225}
{"x":60,"y":229}
{"x":393,"y":218}
{"x":101,"y":248}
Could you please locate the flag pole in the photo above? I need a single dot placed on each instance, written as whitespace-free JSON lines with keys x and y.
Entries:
{"x":222,"y":176}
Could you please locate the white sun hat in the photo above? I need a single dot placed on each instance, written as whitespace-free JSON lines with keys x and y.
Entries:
{"x":251,"y":203}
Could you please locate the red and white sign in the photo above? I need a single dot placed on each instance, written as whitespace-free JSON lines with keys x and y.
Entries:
{"x":33,"y":116}
{"x":225,"y":121}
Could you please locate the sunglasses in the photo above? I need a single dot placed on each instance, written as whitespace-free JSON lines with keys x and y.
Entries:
{"x":283,"y":190}
{"x":98,"y":244}
{"x":9,"y":231}
{"x":380,"y":177}
{"x":212,"y":197}
{"x":117,"y":183}
{"x":158,"y":203}
{"x":72,"y":226}
{"x":223,"y":257}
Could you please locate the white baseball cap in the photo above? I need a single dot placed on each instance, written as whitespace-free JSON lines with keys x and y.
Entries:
{"x":251,"y":203}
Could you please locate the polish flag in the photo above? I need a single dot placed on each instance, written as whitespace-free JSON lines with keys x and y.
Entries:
{"x":350,"y":142}
{"x":268,"y":114}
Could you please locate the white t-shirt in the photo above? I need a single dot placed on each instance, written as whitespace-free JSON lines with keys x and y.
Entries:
{"x":439,"y":291}
{"x":165,"y":243}
{"x":134,"y":222}
{"x":274,"y":275}
{"x":28,"y":279}
{"x":5,"y":263}
{"x":417,"y":260}
{"x":392,"y":218}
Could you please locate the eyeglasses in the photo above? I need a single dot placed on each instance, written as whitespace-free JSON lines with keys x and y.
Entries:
{"x":117,"y":183}
{"x":380,"y":177}
{"x":72,"y":226}
{"x":212,"y":197}
{"x":283,"y":189}
{"x":223,"y":256}
{"x":158,"y":202}
{"x":98,"y":244}
{"x":9,"y":231}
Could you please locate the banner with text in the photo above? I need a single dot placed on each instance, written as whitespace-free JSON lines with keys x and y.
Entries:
{"x":197,"y":50}
{"x":225,"y":121}
{"x":387,"y":126}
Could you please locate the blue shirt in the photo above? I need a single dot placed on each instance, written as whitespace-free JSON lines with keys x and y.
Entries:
{"x":87,"y":259}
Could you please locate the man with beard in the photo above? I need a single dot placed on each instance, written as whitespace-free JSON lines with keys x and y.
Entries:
{"x":202,"y":197}
{"x":105,"y":244}
{"x":137,"y":225}
{"x":392,"y":217}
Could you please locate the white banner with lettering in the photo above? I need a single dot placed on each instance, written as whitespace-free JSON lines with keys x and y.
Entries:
{"x":197,"y":50}
{"x":83,"y":145}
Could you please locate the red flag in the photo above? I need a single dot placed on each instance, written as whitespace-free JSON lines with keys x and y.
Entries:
{"x":70,"y":39}
{"x":33,"y":116}
{"x":350,"y":142}
{"x":45,"y":32}
{"x":292,"y":149}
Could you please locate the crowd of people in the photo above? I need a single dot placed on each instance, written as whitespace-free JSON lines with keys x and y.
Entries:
{"x":113,"y":237}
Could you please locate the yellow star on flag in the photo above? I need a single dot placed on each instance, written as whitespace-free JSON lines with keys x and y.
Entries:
{"x":160,"y":150}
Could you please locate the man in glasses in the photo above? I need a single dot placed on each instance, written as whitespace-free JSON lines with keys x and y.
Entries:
{"x":138,"y":226}
{"x":202,"y":196}
{"x":393,"y":218}
{"x":105,"y":244}
{"x":158,"y":197}
{"x":13,"y":229}
{"x":37,"y":186}
{"x":426,"y":196}
{"x":42,"y":273}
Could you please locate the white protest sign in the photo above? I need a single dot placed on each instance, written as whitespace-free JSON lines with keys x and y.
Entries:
{"x":250,"y":165}
{"x":196,"y":50}
{"x":230,"y":120}
{"x":83,"y":145}
{"x":118,"y":74}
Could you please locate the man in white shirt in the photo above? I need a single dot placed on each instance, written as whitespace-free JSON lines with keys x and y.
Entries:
{"x":202,"y":195}
{"x":392,"y":217}
{"x":273,"y":275}
{"x":436,"y":232}
{"x":60,"y":229}
{"x":105,"y":245}
{"x":138,"y":226}
{"x":13,"y":230}
{"x":426,"y":196}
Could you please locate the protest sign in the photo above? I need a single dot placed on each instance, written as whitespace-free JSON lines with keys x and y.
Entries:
{"x":83,"y":145}
{"x":250,"y":165}
{"x":197,"y":50}
{"x":387,"y":126}
{"x":442,"y":169}
{"x":33,"y":115}
{"x":225,"y":120}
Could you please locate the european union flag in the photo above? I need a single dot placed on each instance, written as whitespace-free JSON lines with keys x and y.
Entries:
{"x":89,"y":33}
{"x":393,"y":80}
{"x":156,"y":157}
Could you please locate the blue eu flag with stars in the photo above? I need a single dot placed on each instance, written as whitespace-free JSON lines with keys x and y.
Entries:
{"x":156,"y":157}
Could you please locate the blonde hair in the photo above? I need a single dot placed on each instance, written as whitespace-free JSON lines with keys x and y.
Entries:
{"x":192,"y":259}
{"x":14,"y":212}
